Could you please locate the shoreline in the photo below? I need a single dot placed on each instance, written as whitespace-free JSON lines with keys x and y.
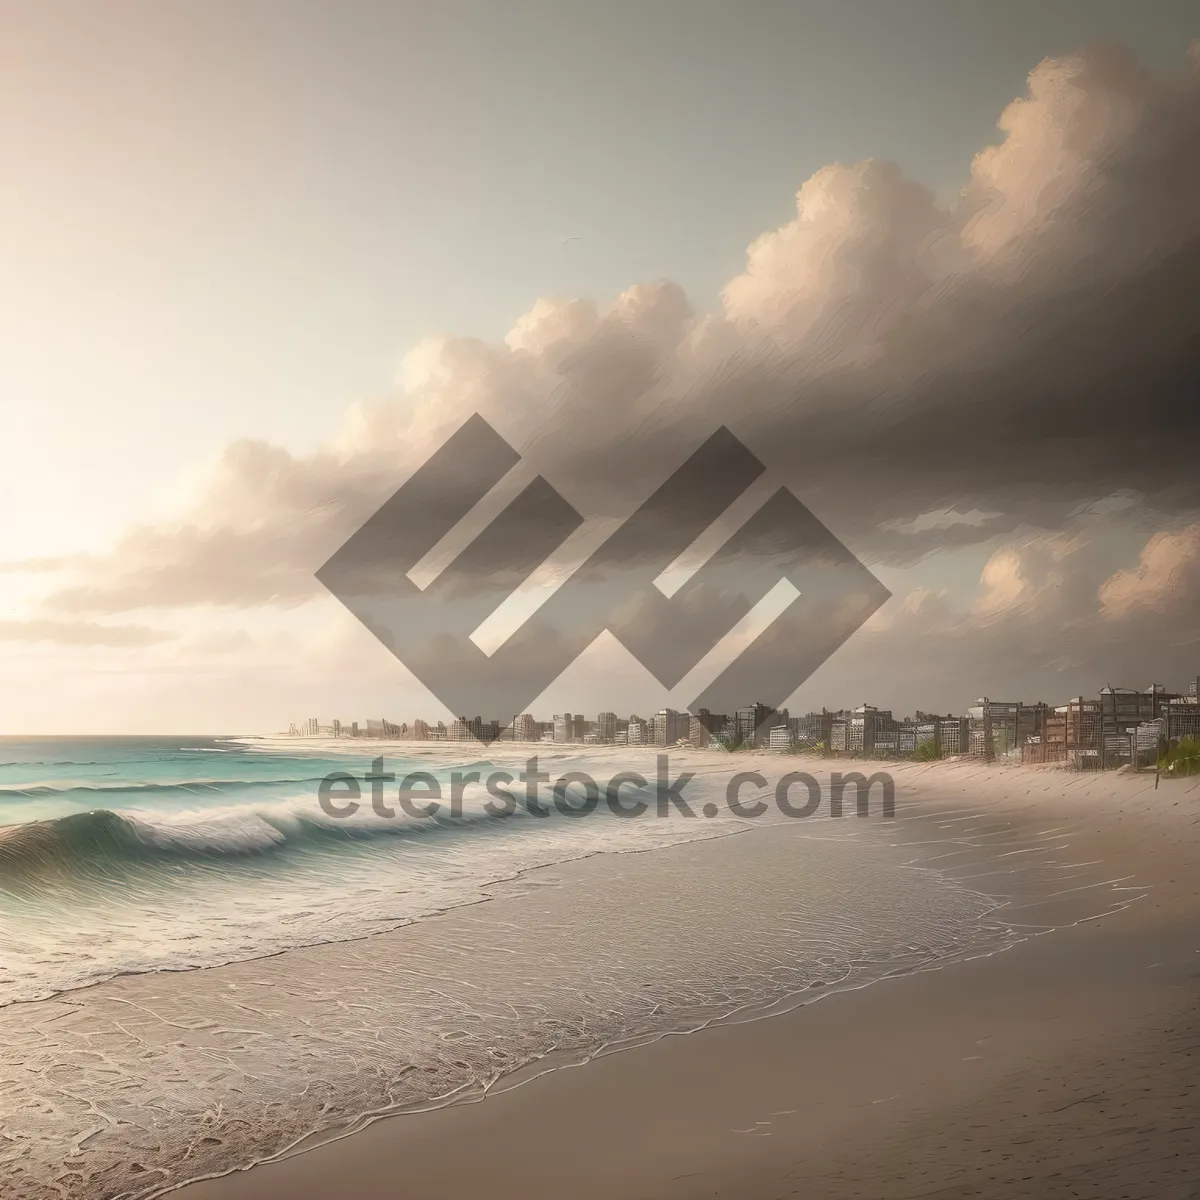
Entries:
{"x":1024,"y":810}
{"x":905,"y":1057}
{"x":650,"y":1122}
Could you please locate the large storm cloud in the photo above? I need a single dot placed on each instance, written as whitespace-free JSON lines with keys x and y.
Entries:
{"x":926,"y":376}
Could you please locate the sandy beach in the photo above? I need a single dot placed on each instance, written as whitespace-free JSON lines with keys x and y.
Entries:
{"x":1065,"y":1066}
{"x":992,"y":995}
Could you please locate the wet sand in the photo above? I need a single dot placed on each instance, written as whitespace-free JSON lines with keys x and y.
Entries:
{"x":1067,"y":1066}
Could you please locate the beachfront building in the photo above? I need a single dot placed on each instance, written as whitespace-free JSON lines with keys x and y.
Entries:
{"x":606,"y":727}
{"x":713,"y":726}
{"x":1146,"y":741}
{"x":1073,"y":733}
{"x":870,"y":730}
{"x":668,"y":727}
{"x":525,"y":728}
{"x":927,"y":732}
{"x":1122,"y":711}
{"x":839,"y":735}
{"x":1000,"y":728}
{"x":1181,"y":715}
{"x":564,"y":727}
{"x":750,"y":724}
{"x":954,"y":733}
{"x":637,"y":734}
{"x":465,"y":729}
{"x":812,"y":730}
{"x":779,"y":738}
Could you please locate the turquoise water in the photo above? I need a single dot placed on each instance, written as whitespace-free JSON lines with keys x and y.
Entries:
{"x":126,"y":855}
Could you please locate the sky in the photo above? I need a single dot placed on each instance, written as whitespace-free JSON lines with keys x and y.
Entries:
{"x":228,"y":226}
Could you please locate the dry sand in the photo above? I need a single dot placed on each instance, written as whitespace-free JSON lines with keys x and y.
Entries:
{"x":1064,"y":1067}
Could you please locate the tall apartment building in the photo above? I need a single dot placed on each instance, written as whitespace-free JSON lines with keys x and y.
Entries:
{"x":637,"y":732}
{"x":751,"y":723}
{"x":1073,"y":733}
{"x":713,"y":724}
{"x":870,"y":730}
{"x":993,"y":727}
{"x":954,"y":733}
{"x":312,"y":727}
{"x":525,"y":728}
{"x":668,"y":726}
{"x":465,"y":729}
{"x":606,"y":727}
{"x":839,"y":733}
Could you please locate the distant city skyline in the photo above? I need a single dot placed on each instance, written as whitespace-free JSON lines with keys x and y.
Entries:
{"x":1116,"y":726}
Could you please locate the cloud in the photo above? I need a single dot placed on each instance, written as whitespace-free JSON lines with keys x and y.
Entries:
{"x":926,"y":376}
{"x":79,"y":633}
{"x":34,"y":566}
{"x":1048,"y":619}
{"x":1166,"y":580}
{"x":865,"y":243}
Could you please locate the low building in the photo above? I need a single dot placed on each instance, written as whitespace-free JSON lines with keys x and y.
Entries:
{"x":1181,"y":717}
{"x":954,"y":733}
{"x":812,"y":730}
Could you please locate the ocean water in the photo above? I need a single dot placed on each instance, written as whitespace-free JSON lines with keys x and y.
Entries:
{"x":126,"y":855}
{"x":128,"y":864}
